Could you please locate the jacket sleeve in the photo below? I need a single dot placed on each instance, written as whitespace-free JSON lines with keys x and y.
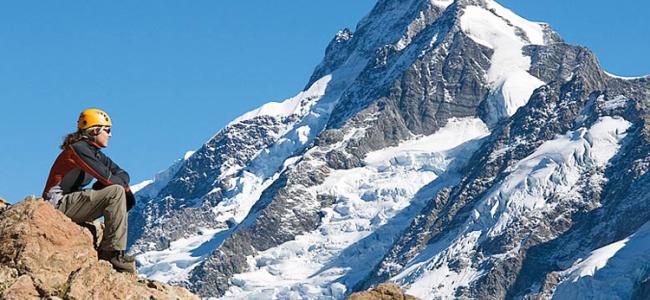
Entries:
{"x":118,"y":175}
{"x":103,"y":169}
{"x":92,"y":164}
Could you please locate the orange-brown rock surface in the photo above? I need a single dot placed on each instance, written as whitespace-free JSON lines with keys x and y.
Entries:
{"x":43,"y":254}
{"x":384,"y":291}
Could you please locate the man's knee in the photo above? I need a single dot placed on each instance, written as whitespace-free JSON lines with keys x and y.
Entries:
{"x":117,"y":191}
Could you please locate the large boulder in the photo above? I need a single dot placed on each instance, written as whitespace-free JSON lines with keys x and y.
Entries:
{"x":40,"y":241}
{"x":44,"y":254}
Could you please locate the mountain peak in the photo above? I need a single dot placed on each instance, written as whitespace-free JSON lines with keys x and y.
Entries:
{"x":437,"y":146}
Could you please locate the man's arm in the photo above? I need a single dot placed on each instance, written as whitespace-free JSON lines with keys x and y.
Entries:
{"x":119,"y":176}
{"x":103,"y":169}
{"x":122,"y":178}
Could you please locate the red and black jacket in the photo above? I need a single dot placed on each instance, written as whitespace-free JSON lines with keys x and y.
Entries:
{"x":76,"y":167}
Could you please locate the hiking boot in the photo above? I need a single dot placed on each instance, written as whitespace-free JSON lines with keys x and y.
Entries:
{"x":120,"y":261}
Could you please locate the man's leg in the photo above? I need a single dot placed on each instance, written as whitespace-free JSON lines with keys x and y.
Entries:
{"x":110,"y":202}
{"x":88,"y":205}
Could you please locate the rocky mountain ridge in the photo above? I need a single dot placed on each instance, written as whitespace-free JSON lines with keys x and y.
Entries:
{"x":451,"y":147}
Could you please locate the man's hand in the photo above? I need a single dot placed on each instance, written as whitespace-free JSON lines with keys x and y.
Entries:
{"x":130,"y":199}
{"x":98,"y":185}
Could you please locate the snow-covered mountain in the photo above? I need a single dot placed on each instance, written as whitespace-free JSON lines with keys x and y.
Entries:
{"x":451,"y":147}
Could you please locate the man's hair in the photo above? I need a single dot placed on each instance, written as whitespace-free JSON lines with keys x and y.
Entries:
{"x":80,"y":134}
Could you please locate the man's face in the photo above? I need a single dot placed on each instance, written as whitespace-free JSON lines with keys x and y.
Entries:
{"x":103,"y":136}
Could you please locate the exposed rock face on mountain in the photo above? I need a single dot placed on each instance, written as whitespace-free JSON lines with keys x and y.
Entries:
{"x":451,"y":147}
{"x":44,"y":254}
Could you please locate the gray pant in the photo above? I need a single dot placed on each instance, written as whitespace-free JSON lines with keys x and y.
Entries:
{"x":88,"y":205}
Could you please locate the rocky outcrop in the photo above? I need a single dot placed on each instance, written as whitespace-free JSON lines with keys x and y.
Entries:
{"x":43,"y":254}
{"x":384,"y":291}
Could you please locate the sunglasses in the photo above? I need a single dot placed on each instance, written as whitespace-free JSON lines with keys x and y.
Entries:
{"x":106,"y":129}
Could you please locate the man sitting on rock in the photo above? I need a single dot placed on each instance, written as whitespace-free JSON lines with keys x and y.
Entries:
{"x":80,"y":161}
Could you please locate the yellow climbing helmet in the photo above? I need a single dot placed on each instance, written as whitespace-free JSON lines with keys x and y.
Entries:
{"x":93,"y":117}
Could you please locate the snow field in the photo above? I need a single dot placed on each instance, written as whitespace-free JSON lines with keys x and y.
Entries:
{"x":553,"y":169}
{"x":533,"y":30}
{"x":510,"y":83}
{"x":297,"y":105}
{"x":441,"y":3}
{"x":626,"y":78}
{"x":610,"y":272}
{"x":373,"y":205}
{"x":442,"y":283}
{"x":175,"y":263}
{"x":455,"y":133}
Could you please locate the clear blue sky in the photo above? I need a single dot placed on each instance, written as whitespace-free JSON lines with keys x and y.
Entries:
{"x":172,"y":73}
